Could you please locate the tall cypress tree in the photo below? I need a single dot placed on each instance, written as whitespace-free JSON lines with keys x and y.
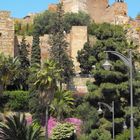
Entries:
{"x":23,"y":53}
{"x":59,"y":51}
{"x":35,"y":52}
{"x":22,"y":78}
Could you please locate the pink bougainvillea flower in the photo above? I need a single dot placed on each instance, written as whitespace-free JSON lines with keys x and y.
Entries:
{"x":52,"y":122}
{"x":76,"y":122}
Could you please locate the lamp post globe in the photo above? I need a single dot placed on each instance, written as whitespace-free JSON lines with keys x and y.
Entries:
{"x":107,"y":65}
{"x":124,"y":125}
{"x":100,"y":111}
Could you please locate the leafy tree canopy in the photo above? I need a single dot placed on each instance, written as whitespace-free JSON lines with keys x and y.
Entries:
{"x":110,"y":85}
{"x":43,"y":23}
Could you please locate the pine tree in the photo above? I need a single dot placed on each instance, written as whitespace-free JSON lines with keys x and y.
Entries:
{"x":111,"y":85}
{"x":86,"y":58}
{"x":59,"y":51}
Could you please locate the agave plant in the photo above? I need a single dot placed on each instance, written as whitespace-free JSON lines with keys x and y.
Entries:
{"x":15,"y":128}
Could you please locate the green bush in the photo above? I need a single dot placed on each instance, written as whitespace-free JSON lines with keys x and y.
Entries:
{"x":84,"y":137}
{"x":100,"y":134}
{"x":63,"y":131}
{"x":17,"y":100}
{"x":125,"y":135}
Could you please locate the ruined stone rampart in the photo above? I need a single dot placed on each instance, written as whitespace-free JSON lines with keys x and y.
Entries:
{"x":99,"y":10}
{"x":96,"y":9}
{"x":75,"y":5}
{"x":116,"y":14}
{"x":76,"y":39}
{"x":9,"y":42}
{"x":6,"y":33}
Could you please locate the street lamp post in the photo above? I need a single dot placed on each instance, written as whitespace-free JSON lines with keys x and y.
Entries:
{"x":128,"y":62}
{"x":111,"y":108}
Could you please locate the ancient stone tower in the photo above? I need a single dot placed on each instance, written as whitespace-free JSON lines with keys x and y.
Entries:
{"x":99,"y":10}
{"x":6,"y":33}
{"x":74,"y":5}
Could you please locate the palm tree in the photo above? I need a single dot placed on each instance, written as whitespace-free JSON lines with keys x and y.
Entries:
{"x":46,"y":84}
{"x":8,"y":70}
{"x":15,"y":128}
{"x":62,"y":104}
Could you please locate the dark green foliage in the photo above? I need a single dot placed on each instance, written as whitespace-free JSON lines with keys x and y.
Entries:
{"x":15,"y":128}
{"x":35,"y":62}
{"x":23,"y":29}
{"x":86,"y":54}
{"x":62,"y":104}
{"x":16,"y":100}
{"x":90,"y":117}
{"x":36,"y":108}
{"x":8,"y":71}
{"x":75,"y":19}
{"x":23,"y":53}
{"x":100,"y":134}
{"x":22,"y":78}
{"x":110,"y":85}
{"x":126,"y":135}
{"x":43,"y":23}
{"x":58,"y":51}
{"x":44,"y":87}
{"x":35,"y":52}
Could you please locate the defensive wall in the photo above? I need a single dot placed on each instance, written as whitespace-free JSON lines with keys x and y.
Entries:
{"x":6,"y":33}
{"x":99,"y":10}
{"x":76,"y":39}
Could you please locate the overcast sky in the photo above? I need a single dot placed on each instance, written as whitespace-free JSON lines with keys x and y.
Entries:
{"x":20,"y":8}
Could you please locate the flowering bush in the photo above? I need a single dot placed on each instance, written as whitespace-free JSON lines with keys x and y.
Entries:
{"x":76,"y":122}
{"x":52,"y":122}
{"x":63,"y":131}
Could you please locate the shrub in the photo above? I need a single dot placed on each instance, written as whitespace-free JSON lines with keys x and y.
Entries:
{"x":52,"y":122}
{"x":100,"y":134}
{"x":63,"y":131}
{"x":125,"y":135}
{"x":84,"y":137}
{"x":17,"y":100}
{"x":90,"y":119}
{"x":76,"y":122}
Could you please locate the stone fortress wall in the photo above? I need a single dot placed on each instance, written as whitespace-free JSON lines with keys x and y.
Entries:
{"x":76,"y":39}
{"x":6,"y":33}
{"x":99,"y":10}
{"x":8,"y":41}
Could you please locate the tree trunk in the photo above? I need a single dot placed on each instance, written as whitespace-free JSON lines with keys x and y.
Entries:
{"x":47,"y":115}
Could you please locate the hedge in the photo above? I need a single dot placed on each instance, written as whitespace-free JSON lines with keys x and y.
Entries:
{"x":16,"y":100}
